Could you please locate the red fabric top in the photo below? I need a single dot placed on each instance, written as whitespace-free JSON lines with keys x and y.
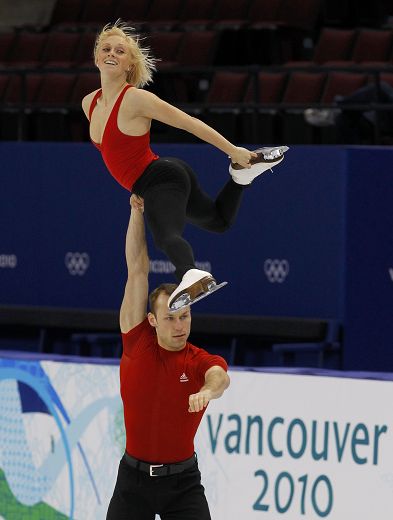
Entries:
{"x":155,"y":385}
{"x":125,"y":156}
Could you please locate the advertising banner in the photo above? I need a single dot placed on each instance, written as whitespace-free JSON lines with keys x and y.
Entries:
{"x":274,"y":446}
{"x":61,"y":439}
{"x":291,"y":446}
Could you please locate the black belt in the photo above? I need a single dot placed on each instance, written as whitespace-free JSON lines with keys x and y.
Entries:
{"x":160,"y":470}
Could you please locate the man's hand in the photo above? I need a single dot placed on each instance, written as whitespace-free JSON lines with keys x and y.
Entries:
{"x":216,"y":381}
{"x":137,"y":202}
{"x":196,"y":402}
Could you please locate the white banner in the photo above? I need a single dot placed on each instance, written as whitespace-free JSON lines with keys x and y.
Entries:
{"x":274,"y":446}
{"x":291,"y":447}
{"x":61,"y":439}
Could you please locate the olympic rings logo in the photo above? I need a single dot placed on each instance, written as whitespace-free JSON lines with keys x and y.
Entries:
{"x":77,"y":263}
{"x":276,"y":270}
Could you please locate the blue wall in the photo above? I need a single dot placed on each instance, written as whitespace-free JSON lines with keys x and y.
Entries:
{"x":326,"y":212}
{"x":58,"y":198}
{"x":369,"y":260}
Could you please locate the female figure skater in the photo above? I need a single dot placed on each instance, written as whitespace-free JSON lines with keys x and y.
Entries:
{"x":120,"y":115}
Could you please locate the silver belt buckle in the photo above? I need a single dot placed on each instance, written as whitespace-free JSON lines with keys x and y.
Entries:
{"x":152,"y":466}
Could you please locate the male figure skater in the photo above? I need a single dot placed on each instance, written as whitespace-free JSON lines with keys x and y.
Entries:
{"x":166,"y":384}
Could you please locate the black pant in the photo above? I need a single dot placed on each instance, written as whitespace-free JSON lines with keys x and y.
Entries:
{"x":137,"y":496}
{"x":172,"y":196}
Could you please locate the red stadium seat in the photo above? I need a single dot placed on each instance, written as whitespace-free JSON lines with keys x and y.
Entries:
{"x":333,"y":46}
{"x":342,"y":84}
{"x":269,"y":88}
{"x":85,"y":83}
{"x":55,"y":89}
{"x":300,"y":14}
{"x":387,"y":77}
{"x":197,"y":48}
{"x":231,"y":15}
{"x":304,"y":87}
{"x":197,"y":14}
{"x":66,"y":12}
{"x":61,"y":49}
{"x":84,"y":56}
{"x":49,"y":119}
{"x":164,"y":46}
{"x":372,"y":46}
{"x":98,"y":12}
{"x":4,"y":79}
{"x":7,"y":40}
{"x":27,"y":51}
{"x":163,"y":14}
{"x":22,"y":88}
{"x":134,"y":11}
{"x":263,"y":12}
{"x":226,"y":88}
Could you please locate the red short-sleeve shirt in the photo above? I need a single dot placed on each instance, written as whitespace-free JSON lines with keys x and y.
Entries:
{"x":155,"y":385}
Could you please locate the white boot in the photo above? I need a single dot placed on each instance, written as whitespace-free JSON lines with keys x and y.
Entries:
{"x":194,"y":283}
{"x":266,"y":160}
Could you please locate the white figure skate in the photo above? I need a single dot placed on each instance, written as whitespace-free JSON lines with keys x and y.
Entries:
{"x":195,"y":285}
{"x":267,"y":158}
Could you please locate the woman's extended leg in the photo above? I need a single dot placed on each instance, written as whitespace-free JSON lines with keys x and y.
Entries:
{"x":213,"y":215}
{"x":165,"y":187}
{"x":172,"y":195}
{"x":165,"y":212}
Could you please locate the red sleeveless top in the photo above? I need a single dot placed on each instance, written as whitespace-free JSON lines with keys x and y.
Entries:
{"x":125,"y":156}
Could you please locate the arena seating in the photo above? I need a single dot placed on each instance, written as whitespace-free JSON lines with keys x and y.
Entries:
{"x":278,"y":48}
{"x":249,"y":68}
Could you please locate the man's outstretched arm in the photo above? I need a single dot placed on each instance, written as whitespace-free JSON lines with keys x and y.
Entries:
{"x":133,"y":307}
{"x":216,"y":382}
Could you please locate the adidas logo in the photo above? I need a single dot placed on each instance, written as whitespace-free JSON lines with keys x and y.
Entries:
{"x":183,"y":378}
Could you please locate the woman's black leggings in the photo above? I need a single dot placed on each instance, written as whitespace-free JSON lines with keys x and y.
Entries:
{"x":172,"y":196}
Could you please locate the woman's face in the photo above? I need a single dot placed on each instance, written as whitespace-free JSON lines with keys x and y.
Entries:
{"x":113,"y":55}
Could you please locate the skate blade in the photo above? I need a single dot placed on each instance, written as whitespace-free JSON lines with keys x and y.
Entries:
{"x":272,"y":153}
{"x":185,"y":302}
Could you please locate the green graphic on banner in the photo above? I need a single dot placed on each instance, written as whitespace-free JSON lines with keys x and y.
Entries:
{"x":11,"y":509}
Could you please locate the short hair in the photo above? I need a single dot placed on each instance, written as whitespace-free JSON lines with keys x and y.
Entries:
{"x":144,"y":64}
{"x":166,"y":288}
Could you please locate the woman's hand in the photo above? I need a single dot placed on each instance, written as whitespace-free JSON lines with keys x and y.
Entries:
{"x":137,"y":202}
{"x":242,"y":156}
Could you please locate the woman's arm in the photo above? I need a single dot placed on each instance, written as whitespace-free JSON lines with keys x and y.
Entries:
{"x":152,"y":107}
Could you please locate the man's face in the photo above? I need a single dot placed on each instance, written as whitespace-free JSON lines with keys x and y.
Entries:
{"x":172,"y":328}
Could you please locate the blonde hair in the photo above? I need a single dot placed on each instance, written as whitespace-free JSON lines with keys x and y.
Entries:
{"x":144,"y":64}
